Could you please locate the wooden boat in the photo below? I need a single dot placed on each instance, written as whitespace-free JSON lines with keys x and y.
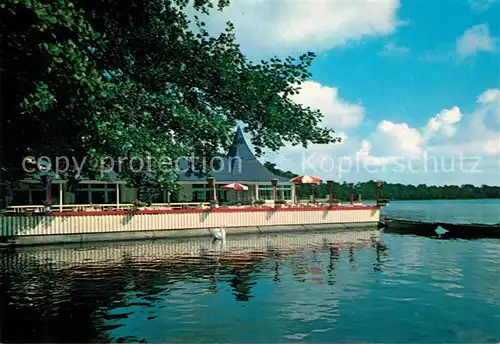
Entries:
{"x":472,"y":230}
{"x":382,"y":202}
{"x":410,"y":227}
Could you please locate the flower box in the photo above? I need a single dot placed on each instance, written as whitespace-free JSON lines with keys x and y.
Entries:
{"x":279,"y":203}
{"x":334,"y":202}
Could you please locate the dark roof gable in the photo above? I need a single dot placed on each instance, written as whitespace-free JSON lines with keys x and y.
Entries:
{"x":240,"y":164}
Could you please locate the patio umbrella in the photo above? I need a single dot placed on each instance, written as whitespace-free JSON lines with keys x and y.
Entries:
{"x":235,"y":187}
{"x":306,"y":179}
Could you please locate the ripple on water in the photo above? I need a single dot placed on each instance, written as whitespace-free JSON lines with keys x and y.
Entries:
{"x":398,"y":289}
{"x":295,"y":336}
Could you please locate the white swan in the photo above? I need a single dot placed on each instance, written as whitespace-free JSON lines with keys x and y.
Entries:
{"x":218,"y":233}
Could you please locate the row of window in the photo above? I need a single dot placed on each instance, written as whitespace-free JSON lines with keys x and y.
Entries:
{"x":106,"y":194}
{"x":37,"y":197}
{"x":223,"y":196}
{"x":263,"y":187}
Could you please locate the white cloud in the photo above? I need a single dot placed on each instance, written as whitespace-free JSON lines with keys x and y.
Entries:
{"x":392,"y":49}
{"x":473,"y":148}
{"x":474,"y":40}
{"x":337,"y":113}
{"x":364,"y":155}
{"x":478,"y":134}
{"x":278,"y":27}
{"x":473,"y":137}
{"x":444,"y":122}
{"x":481,"y":5}
{"x":398,"y":139}
{"x":491,"y":96}
{"x":492,"y":147}
{"x":404,"y":151}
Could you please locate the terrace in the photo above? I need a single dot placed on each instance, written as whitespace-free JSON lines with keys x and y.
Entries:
{"x":46,"y":192}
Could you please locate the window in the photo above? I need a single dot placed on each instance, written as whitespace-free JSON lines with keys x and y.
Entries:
{"x":111,"y":197}
{"x":82,"y":197}
{"x":222,"y":195}
{"x":38,"y":197}
{"x":54,"y":190}
{"x":203,"y":195}
{"x":21,"y":197}
{"x":266,"y":194}
{"x":200,"y":196}
{"x":97,"y":197}
{"x":96,"y":194}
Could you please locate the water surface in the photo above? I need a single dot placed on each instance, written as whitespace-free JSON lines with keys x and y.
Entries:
{"x":361,"y":286}
{"x":486,"y":211}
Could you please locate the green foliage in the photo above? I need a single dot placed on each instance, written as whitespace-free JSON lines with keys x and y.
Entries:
{"x":368,"y":190}
{"x":276,"y":171}
{"x":130,"y":78}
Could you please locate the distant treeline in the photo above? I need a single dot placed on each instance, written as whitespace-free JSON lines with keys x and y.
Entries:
{"x":367,"y":190}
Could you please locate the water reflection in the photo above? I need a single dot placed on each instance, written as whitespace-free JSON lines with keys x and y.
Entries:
{"x":351,"y":255}
{"x":242,"y":283}
{"x":381,"y":255}
{"x":65,"y":294}
{"x":319,"y":286}
{"x":277,"y":278}
{"x":333,"y":259}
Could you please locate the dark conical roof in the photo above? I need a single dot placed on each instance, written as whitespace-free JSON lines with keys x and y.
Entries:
{"x":239,"y":146}
{"x":239,"y":165}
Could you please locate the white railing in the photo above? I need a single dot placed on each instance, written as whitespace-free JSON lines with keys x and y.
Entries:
{"x":25,"y":209}
{"x":19,"y":209}
{"x":185,"y":205}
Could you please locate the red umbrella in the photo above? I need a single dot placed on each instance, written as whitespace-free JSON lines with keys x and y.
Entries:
{"x":235,"y":186}
{"x":306,"y":180}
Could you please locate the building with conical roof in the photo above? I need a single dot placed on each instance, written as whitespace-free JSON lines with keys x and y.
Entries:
{"x":239,"y":165}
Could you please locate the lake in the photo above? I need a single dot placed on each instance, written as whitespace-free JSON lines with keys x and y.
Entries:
{"x":358,"y":286}
{"x":486,"y":211}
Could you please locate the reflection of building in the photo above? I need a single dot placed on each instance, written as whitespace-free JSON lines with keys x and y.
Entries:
{"x":239,"y":248}
{"x":79,"y":294}
{"x":238,"y":165}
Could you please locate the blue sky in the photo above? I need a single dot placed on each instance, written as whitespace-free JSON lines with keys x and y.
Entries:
{"x":398,"y":80}
{"x":407,"y":86}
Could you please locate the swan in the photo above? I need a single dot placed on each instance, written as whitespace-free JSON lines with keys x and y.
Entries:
{"x":218,"y":233}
